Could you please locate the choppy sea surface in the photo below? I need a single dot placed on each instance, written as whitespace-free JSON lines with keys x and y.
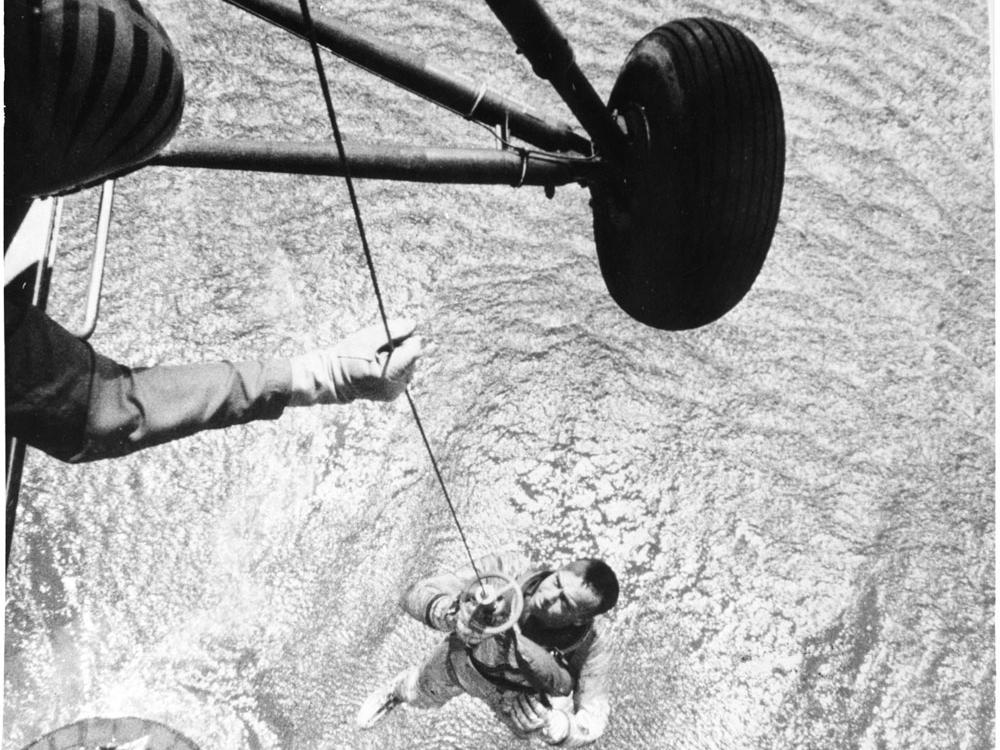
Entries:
{"x":799,"y":497}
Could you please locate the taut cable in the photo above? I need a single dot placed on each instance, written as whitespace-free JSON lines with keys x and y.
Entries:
{"x":332,"y":115}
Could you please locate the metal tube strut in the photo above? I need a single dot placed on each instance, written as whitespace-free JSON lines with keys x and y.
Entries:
{"x":93,"y":308}
{"x":551,"y":57}
{"x":15,"y":467}
{"x":414,"y":73}
{"x":15,"y":448}
{"x":414,"y":164}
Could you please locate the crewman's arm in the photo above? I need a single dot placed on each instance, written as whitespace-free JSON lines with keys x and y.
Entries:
{"x":591,"y":702}
{"x":430,"y":600}
{"x":77,"y":405}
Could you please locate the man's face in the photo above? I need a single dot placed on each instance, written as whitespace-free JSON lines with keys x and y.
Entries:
{"x":563,"y":599}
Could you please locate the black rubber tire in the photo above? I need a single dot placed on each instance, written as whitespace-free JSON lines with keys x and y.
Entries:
{"x":683,"y":231}
{"x":93,"y":89}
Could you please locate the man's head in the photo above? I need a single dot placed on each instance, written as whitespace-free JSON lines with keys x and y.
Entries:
{"x":575,"y":593}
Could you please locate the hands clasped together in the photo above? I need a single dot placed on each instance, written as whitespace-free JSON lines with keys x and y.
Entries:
{"x":530,"y":715}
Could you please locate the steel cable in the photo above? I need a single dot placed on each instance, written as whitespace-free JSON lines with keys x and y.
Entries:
{"x":332,"y":115}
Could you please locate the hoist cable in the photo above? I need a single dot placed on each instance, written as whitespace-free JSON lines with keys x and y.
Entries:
{"x":332,"y":116}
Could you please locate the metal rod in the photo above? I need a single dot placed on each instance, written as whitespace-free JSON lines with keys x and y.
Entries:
{"x":551,"y":57}
{"x":47,"y":262}
{"x":15,"y":465}
{"x":414,"y":73}
{"x":97,"y":263}
{"x":414,"y":164}
{"x":40,"y":298}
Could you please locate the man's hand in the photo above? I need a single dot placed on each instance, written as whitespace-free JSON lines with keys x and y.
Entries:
{"x":360,"y":366}
{"x":466,"y":627}
{"x":443,"y":613}
{"x":531,"y":715}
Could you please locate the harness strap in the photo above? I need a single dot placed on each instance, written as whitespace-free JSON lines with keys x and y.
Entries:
{"x":495,"y":675}
{"x":545,"y":671}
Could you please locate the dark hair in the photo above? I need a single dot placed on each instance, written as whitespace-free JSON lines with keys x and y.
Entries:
{"x":599,"y":576}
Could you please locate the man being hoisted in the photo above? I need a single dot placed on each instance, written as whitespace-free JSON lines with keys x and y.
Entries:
{"x":521,"y":638}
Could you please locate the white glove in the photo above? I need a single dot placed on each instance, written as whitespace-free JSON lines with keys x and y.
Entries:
{"x":360,"y":366}
{"x":531,"y":715}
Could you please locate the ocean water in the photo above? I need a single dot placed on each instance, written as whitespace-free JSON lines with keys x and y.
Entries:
{"x":799,"y":498}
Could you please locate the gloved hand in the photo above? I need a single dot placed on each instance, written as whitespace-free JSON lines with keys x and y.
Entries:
{"x":443,"y":613}
{"x":360,"y":366}
{"x":466,"y":626}
{"x":531,"y":715}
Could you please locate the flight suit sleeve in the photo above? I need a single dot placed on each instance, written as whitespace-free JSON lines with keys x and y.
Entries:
{"x":420,"y":599}
{"x":591,"y":703}
{"x":64,"y":398}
